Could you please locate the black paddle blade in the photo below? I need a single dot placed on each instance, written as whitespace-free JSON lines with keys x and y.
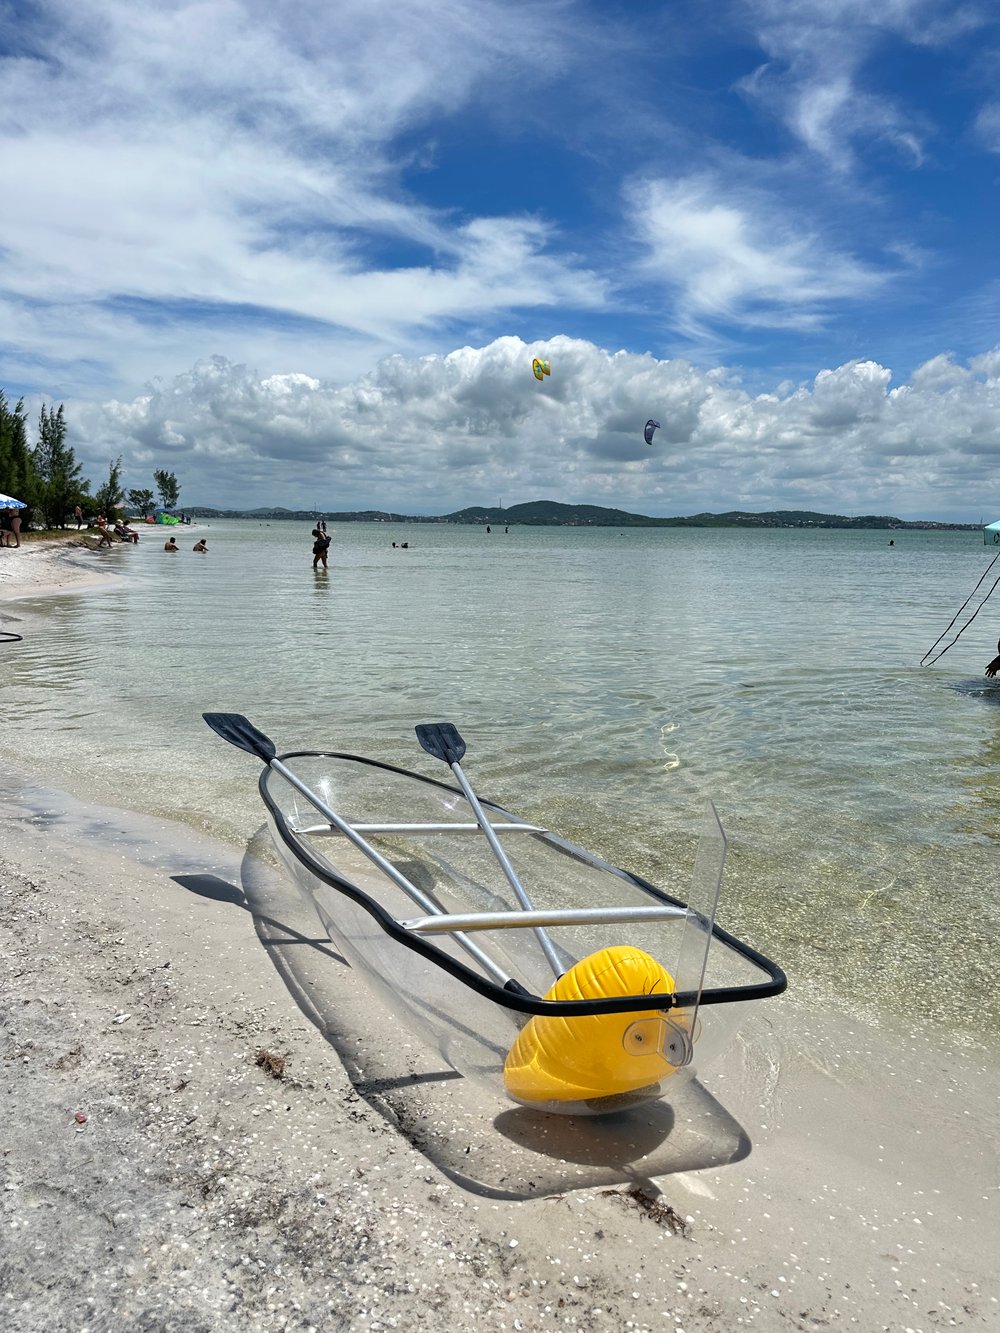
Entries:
{"x":239,"y":731}
{"x":441,"y":739}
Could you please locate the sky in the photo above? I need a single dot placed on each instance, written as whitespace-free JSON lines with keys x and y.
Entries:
{"x":304,"y":255}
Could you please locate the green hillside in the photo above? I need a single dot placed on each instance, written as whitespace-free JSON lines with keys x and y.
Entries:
{"x":551,"y":513}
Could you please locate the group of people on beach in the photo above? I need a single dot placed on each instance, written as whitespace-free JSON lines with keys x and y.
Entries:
{"x":121,"y":530}
{"x":126,"y":534}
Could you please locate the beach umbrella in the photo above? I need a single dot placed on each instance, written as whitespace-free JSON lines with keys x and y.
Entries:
{"x":991,"y":533}
{"x":8,"y":502}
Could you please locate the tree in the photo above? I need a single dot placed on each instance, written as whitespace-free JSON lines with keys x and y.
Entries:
{"x":17,"y":471}
{"x":109,"y":494}
{"x":166,"y":484}
{"x":60,"y":484}
{"x":141,"y":501}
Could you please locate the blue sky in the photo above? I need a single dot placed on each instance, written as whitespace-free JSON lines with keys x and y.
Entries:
{"x":303,"y":254}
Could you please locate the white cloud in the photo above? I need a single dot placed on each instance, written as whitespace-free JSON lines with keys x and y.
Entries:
{"x":988,"y":365}
{"x":185,"y":170}
{"x":815,"y":78}
{"x":840,"y":400}
{"x":940,"y":372}
{"x":437,"y":433}
{"x":987,"y":126}
{"x":734,"y":255}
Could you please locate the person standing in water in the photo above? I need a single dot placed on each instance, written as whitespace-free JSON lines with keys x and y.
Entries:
{"x":321,"y":544}
{"x":993,"y":667}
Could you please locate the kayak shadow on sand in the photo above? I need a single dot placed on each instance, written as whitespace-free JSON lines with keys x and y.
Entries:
{"x":473,"y":1135}
{"x":482,"y":1142}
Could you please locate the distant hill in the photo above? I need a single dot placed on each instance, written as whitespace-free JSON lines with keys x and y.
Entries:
{"x":549,"y":512}
{"x":552,"y":514}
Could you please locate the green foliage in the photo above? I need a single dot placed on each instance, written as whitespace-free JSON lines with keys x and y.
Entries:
{"x":17,"y":470}
{"x":110,"y":495}
{"x":60,"y":485}
{"x":141,"y":501}
{"x":48,"y":477}
{"x":166,"y":484}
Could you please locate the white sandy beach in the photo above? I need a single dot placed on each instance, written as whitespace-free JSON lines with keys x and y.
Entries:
{"x":60,"y":565}
{"x":158,"y":1175}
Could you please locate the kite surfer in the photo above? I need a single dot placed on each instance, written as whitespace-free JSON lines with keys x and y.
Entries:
{"x":993,"y":667}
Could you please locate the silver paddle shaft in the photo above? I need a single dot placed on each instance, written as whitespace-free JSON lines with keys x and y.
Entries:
{"x":548,"y":948}
{"x":387,"y":868}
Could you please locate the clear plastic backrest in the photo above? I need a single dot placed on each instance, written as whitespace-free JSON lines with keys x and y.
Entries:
{"x":703,"y":902}
{"x":673,"y":1036}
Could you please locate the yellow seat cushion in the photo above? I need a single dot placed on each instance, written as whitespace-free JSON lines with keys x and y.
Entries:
{"x":577,"y":1059}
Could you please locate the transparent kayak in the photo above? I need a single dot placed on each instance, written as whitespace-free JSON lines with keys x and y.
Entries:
{"x":531,"y":965}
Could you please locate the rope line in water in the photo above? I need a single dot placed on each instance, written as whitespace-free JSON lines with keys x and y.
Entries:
{"x":975,"y":613}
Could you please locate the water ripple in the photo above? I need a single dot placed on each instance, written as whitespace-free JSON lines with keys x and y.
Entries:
{"x":607,"y":684}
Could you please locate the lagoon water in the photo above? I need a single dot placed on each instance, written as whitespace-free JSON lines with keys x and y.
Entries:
{"x":607,"y":683}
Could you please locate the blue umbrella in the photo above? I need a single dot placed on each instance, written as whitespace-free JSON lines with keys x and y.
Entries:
{"x":991,"y":534}
{"x":8,"y":502}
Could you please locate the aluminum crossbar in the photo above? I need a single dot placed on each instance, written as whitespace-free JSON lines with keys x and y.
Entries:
{"x":398,"y":878}
{"x":324,"y":830}
{"x":442,"y":923}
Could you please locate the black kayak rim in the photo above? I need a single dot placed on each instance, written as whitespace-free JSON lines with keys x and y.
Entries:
{"x":513,"y":995}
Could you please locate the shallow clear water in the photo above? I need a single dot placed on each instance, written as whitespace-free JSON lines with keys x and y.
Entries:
{"x":607,"y":683}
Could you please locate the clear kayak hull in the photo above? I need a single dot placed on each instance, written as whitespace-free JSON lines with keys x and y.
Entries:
{"x":608,"y":991}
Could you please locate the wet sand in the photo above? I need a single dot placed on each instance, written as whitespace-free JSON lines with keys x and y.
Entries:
{"x":55,"y":565}
{"x":208,"y":1125}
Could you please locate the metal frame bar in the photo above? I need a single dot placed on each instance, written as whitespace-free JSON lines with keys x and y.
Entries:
{"x":326,"y":830}
{"x":442,"y":923}
{"x":548,"y":948}
{"x":398,"y":878}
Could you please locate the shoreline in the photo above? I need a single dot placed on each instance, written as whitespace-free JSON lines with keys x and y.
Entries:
{"x":57,"y":565}
{"x":143,"y":993}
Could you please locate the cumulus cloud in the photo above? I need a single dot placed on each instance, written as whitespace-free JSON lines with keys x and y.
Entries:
{"x":940,"y":372}
{"x":437,"y":433}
